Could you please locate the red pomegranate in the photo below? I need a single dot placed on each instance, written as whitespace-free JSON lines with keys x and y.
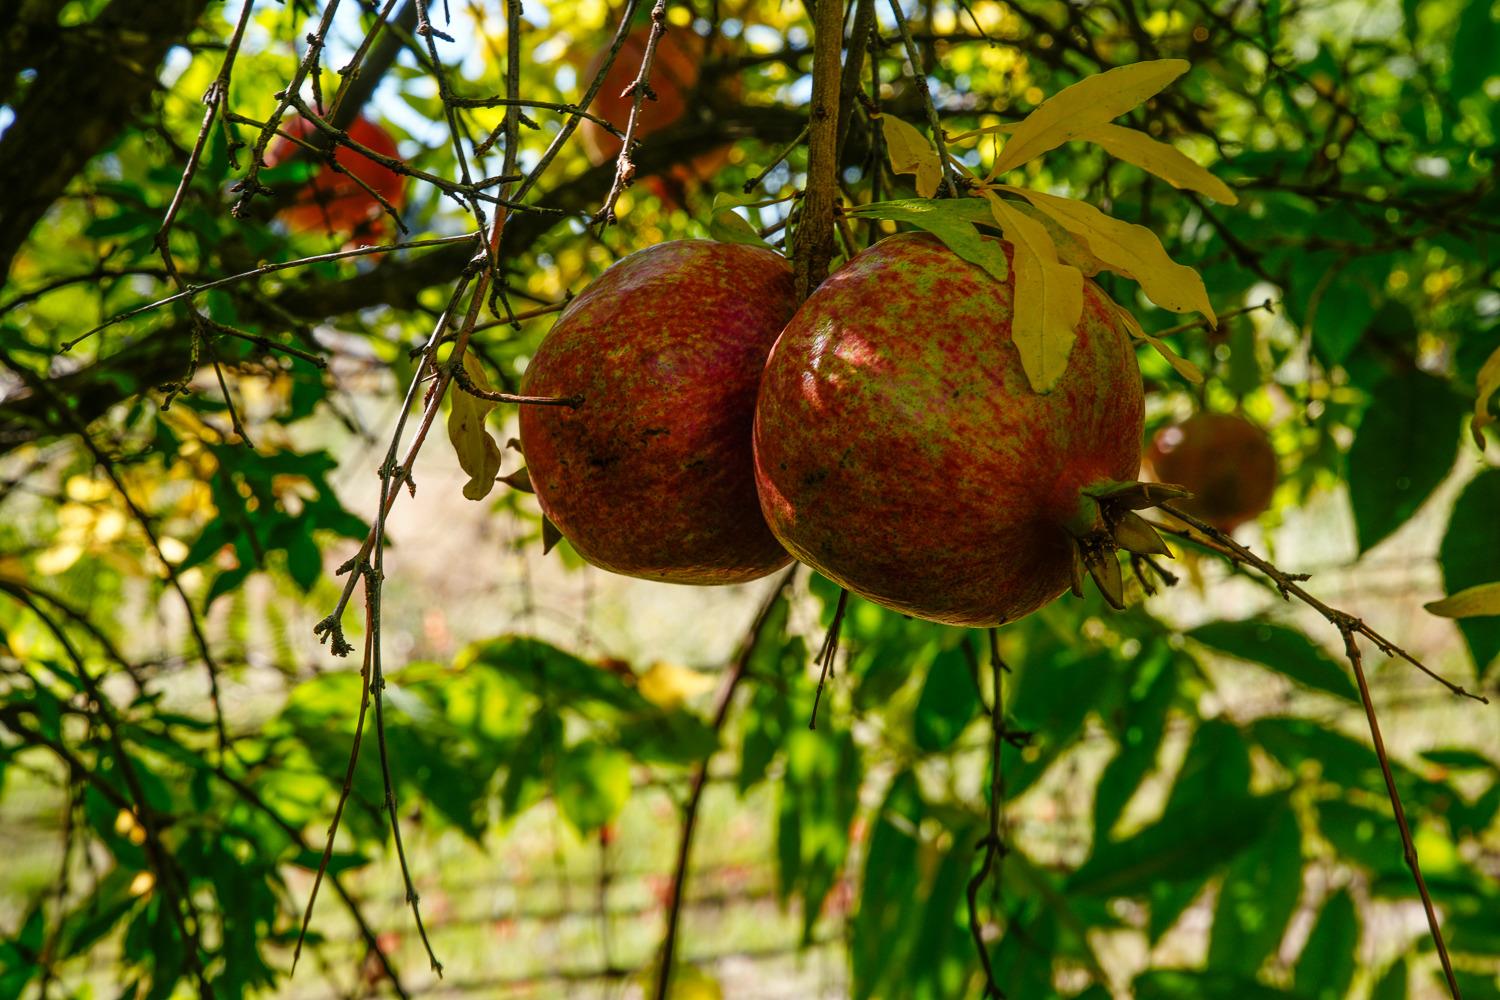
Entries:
{"x":653,"y":475}
{"x":1225,"y":460}
{"x":901,"y":452}
{"x":335,"y":203}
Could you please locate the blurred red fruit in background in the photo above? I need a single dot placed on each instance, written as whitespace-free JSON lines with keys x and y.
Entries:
{"x":1225,"y":460}
{"x":334,"y":202}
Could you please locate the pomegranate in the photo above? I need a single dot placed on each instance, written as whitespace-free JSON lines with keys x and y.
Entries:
{"x":1226,"y":461}
{"x":653,"y":475}
{"x":900,"y":451}
{"x":335,"y":203}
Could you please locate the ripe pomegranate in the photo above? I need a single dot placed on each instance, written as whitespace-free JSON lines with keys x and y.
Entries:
{"x":335,"y":203}
{"x":653,"y":476}
{"x":1226,"y":461}
{"x":900,"y":451}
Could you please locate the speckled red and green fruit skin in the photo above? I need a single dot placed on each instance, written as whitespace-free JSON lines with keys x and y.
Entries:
{"x":1225,"y":460}
{"x":653,"y":475}
{"x":901,"y":452}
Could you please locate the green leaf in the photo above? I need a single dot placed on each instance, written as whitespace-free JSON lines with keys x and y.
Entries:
{"x":888,"y":896}
{"x":951,"y":220}
{"x":1474,"y":985}
{"x":1459,"y":759}
{"x":1326,"y":966}
{"x":1405,"y":445}
{"x":1283,"y":649}
{"x":1343,"y":315}
{"x":1185,"y":843}
{"x":1469,"y":554}
{"x":1217,"y":763}
{"x":1257,"y":899}
{"x":592,"y":785}
{"x":1178,"y":984}
{"x":1139,"y":738}
{"x":948,"y":704}
{"x":728,"y":226}
{"x":1393,"y":984}
{"x":1474,"y":46}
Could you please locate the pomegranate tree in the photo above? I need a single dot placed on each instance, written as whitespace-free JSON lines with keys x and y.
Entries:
{"x":653,"y":475}
{"x":901,"y":451}
{"x":1225,"y":460}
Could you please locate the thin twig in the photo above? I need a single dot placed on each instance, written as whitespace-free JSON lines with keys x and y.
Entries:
{"x":641,"y":90}
{"x":993,"y":842}
{"x":786,"y":151}
{"x":827,"y":653}
{"x":920,"y":78}
{"x":736,"y":673}
{"x":1289,"y":586}
{"x":1408,"y":846}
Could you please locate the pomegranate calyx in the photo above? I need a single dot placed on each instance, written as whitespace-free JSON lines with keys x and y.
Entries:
{"x":1106,"y":522}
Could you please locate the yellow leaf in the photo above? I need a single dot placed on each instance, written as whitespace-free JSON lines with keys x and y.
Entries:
{"x":1071,"y":249}
{"x":1475,"y":602}
{"x":478,"y":454}
{"x":1091,"y":101}
{"x":667,"y":685}
{"x":1179,"y":364}
{"x":912,"y":153}
{"x":1048,"y":298}
{"x":1131,"y":250}
{"x":1165,"y":161}
{"x":1488,"y":384}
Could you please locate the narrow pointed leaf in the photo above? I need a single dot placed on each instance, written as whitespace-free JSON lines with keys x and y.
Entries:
{"x":1048,"y":298}
{"x":911,"y":152}
{"x":952,"y":221}
{"x":1165,"y":161}
{"x":1090,"y":102}
{"x":1180,"y":365}
{"x":1130,"y":250}
{"x":1474,"y":602}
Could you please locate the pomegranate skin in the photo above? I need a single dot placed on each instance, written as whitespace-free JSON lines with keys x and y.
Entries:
{"x":1226,"y":461}
{"x":653,"y":475}
{"x":901,"y":452}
